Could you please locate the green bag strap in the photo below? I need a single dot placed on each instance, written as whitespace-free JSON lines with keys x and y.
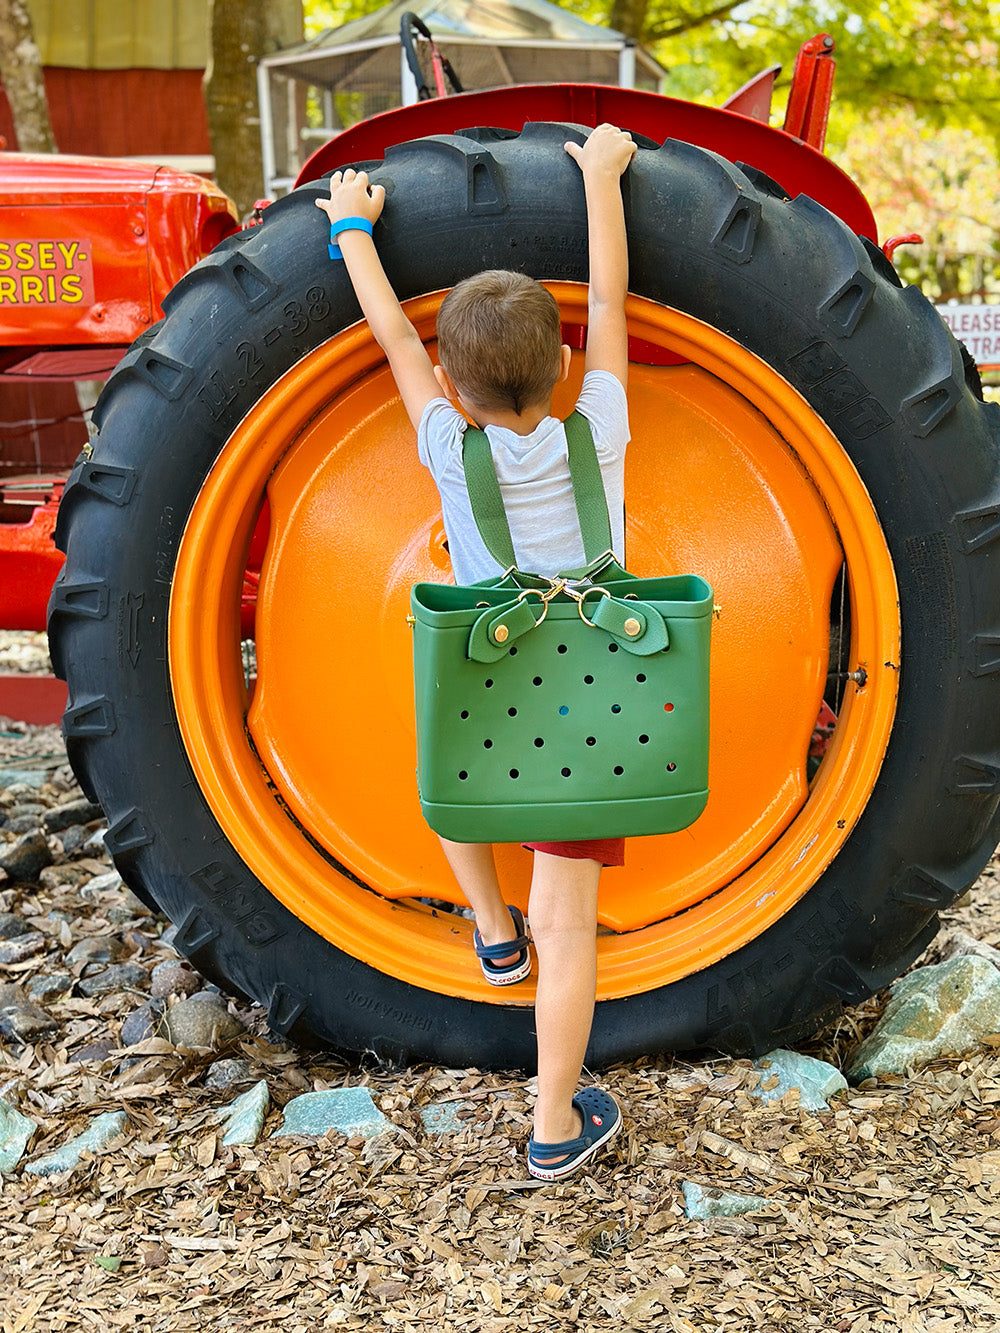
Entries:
{"x":588,"y":487}
{"x":585,"y":476}
{"x":485,"y":498}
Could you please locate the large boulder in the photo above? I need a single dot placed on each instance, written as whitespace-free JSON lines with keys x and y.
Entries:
{"x":944,"y":1009}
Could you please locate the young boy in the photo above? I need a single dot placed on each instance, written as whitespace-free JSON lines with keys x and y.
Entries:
{"x":500,"y":346}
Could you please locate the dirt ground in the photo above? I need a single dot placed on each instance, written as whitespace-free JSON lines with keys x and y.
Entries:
{"x":883,"y":1213}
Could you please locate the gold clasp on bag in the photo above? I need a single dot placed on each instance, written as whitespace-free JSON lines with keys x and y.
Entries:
{"x":542,"y":597}
{"x":581,"y":598}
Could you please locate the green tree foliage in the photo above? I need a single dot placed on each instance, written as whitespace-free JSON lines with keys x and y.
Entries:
{"x":916,"y":106}
{"x":938,"y":58}
{"x":940,"y":182}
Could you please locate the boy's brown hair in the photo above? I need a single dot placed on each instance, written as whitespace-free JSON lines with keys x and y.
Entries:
{"x":499,"y":339}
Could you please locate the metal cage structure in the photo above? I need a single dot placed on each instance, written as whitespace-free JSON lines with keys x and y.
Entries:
{"x":312,"y":92}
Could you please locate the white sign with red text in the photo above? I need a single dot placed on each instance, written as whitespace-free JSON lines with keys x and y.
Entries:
{"x":978,"y":326}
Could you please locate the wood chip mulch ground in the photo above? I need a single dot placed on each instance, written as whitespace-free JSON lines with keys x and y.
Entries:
{"x":883,"y":1212}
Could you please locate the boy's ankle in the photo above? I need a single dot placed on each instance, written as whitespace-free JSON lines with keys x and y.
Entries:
{"x":496,"y":930}
{"x":557,"y":1126}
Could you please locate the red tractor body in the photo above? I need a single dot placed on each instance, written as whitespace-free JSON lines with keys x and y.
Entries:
{"x":88,"y":249}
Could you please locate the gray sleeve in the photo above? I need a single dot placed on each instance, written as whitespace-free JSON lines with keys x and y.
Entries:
{"x":439,"y":436}
{"x":602,"y":401}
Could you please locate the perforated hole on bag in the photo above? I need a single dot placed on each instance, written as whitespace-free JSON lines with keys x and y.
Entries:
{"x":591,"y":740}
{"x":464,"y":714}
{"x":512,"y":712}
{"x":539,"y":742}
{"x":643,"y":740}
{"x":641,"y":678}
{"x":514,"y":773}
{"x":563,"y":710}
{"x":463,"y":775}
{"x":487,"y":744}
{"x":488,"y":684}
{"x":616,"y":708}
{"x":668,"y":708}
{"x":562,"y":648}
{"x":567,"y":772}
{"x":612,"y":647}
{"x":588,"y":680}
{"x":618,"y":770}
{"x":671,"y":767}
{"x":537,"y":680}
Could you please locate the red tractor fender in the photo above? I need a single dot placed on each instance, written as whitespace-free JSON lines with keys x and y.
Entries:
{"x":793,"y":163}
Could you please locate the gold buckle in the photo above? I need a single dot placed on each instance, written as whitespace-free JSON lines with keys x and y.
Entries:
{"x":542,"y":597}
{"x":581,"y":599}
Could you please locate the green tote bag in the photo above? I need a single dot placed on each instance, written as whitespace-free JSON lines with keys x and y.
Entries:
{"x":560,"y":709}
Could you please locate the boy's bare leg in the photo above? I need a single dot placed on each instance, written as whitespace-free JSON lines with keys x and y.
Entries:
{"x":473,"y":866}
{"x":563,"y":907}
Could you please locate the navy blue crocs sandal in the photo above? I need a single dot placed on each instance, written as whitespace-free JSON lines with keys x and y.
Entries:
{"x":602,"y":1119}
{"x":516,"y":971}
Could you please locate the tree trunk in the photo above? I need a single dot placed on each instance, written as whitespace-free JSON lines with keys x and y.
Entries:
{"x":23,"y":80}
{"x":241,"y":34}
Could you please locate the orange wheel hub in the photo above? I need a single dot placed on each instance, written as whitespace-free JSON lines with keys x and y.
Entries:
{"x":730,"y":474}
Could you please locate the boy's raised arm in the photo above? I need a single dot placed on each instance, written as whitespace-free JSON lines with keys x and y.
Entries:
{"x":351,"y":196}
{"x":603,"y":159}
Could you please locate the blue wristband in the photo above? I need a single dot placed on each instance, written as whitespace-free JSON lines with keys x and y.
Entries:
{"x":345,"y":224}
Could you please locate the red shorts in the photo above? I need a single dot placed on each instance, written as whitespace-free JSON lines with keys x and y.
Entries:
{"x":609,"y":851}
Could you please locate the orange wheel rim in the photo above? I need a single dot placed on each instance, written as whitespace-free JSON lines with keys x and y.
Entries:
{"x":730,"y":474}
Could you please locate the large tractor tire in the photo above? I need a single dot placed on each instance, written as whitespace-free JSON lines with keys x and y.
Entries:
{"x":813,"y":450}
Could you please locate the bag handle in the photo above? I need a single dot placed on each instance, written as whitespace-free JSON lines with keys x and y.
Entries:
{"x":585,"y":476}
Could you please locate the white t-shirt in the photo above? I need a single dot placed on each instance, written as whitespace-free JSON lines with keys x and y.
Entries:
{"x":533,"y":472}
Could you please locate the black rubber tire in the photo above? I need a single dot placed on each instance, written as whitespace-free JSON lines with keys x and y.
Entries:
{"x":784,"y":277}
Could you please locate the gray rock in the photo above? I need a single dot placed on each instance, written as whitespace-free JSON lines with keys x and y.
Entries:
{"x":27,"y":856}
{"x":118,"y":914}
{"x":25,"y":778}
{"x":101,"y":1131}
{"x":200,"y":1020}
{"x":22,"y":823}
{"x":72,"y":812}
{"x":226,"y":1073}
{"x":171,"y":977}
{"x":348,"y":1111}
{"x":22,"y":1019}
{"x":700,"y":1203}
{"x":243,"y":1118}
{"x":960,"y":944}
{"x":72,"y":838}
{"x":944,"y":1009}
{"x":120,"y":976}
{"x":815,"y":1079}
{"x":11,"y":926}
{"x":96,"y":949}
{"x":16,"y":1131}
{"x":55,"y":983}
{"x":94,"y":1050}
{"x":443,"y":1117}
{"x":141,"y":1024}
{"x":25,"y":946}
{"x":20,"y":788}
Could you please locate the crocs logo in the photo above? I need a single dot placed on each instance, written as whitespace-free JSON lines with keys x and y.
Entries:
{"x":597,"y":1120}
